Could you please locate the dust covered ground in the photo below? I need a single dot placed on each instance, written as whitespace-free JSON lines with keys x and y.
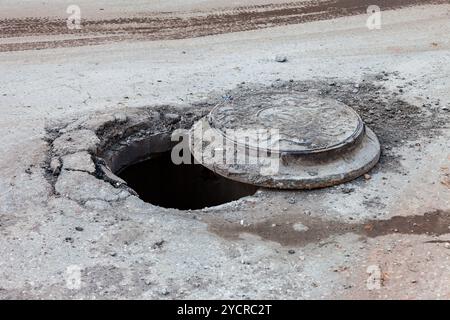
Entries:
{"x":383,"y":236}
{"x":105,"y":23}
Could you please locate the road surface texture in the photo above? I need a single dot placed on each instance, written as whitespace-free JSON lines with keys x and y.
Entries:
{"x":386,"y":235}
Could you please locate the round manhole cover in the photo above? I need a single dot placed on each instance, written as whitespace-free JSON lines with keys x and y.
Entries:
{"x":285,"y":140}
{"x":294,"y":123}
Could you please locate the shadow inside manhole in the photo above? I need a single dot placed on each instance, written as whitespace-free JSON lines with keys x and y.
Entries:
{"x":185,"y":186}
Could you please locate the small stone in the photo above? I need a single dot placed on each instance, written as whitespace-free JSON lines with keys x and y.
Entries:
{"x":447,"y":245}
{"x":79,"y":229}
{"x":280,"y":58}
{"x":291,"y":251}
{"x":367,"y":176}
{"x":291,"y":200}
{"x":347,"y":190}
{"x":165,"y":292}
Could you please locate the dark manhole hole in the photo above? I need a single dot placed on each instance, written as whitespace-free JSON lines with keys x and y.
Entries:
{"x":186,"y":186}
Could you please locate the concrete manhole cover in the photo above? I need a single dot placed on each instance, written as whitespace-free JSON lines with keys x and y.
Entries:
{"x":285,"y":140}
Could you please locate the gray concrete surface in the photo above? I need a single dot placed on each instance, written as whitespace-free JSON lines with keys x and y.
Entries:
{"x":120,"y":247}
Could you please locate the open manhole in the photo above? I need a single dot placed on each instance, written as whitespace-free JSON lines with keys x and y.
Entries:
{"x":273,"y":139}
{"x":285,"y":140}
{"x":159,"y":181}
{"x":147,"y":167}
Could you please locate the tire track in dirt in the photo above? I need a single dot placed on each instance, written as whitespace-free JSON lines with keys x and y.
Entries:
{"x":180,"y":25}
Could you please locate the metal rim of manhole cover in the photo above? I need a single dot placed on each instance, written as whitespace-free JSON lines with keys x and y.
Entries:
{"x":285,"y":140}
